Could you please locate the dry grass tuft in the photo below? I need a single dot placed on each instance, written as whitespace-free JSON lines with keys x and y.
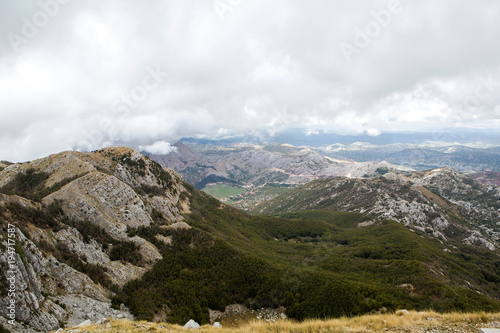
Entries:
{"x":411,"y":322}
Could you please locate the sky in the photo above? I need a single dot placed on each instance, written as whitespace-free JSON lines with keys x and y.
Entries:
{"x":82,"y":75}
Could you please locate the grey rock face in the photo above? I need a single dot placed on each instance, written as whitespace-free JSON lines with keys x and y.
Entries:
{"x":38,"y":275}
{"x":102,"y":188}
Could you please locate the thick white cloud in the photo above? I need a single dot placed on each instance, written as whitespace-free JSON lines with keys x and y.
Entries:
{"x":159,"y":148}
{"x":85,"y":74}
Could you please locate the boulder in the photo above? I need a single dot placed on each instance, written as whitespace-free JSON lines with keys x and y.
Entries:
{"x":402,"y":312}
{"x":85,"y":323}
{"x":217,"y":324}
{"x":191,"y":324}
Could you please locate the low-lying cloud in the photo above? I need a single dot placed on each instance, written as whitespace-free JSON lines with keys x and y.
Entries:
{"x":159,"y":148}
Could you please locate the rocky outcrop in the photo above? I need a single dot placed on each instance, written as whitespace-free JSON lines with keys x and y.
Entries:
{"x":113,"y":189}
{"x":40,"y":280}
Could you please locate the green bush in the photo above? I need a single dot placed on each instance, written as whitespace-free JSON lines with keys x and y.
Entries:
{"x":91,"y":231}
{"x":26,"y":184}
{"x":126,"y":251}
{"x":138,"y":167}
{"x":3,"y":329}
{"x":150,"y":190}
{"x":38,"y":217}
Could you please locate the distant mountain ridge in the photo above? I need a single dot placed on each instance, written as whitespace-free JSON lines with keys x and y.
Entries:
{"x":462,"y":158}
{"x":257,"y":165}
{"x":467,"y":152}
{"x":487,"y":177}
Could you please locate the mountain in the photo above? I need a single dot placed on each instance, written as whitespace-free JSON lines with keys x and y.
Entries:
{"x":318,"y":139}
{"x":420,"y":157}
{"x":72,"y":211}
{"x":258,"y":173}
{"x":465,"y":151}
{"x":112,"y":233}
{"x":441,"y":202}
{"x":487,"y":177}
{"x":258,"y":165}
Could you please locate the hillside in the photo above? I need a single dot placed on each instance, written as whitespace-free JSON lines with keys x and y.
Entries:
{"x":71,"y":212}
{"x":487,"y":177}
{"x":113,"y":234}
{"x":440,"y":202}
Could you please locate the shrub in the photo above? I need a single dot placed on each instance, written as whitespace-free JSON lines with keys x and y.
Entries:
{"x":138,"y":167}
{"x":39,"y":218}
{"x":126,"y":251}
{"x":150,"y":190}
{"x":26,"y":184}
{"x":91,"y":231}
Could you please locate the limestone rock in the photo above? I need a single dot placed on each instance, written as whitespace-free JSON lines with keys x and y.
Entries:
{"x":179,"y":225}
{"x":103,"y":188}
{"x":191,"y":324}
{"x":103,"y":200}
{"x":84,"y":323}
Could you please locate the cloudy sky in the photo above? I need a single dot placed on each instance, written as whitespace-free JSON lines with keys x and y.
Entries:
{"x":78,"y":74}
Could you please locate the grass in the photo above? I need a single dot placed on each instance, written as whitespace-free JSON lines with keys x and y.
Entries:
{"x":412,"y":321}
{"x":258,"y":195}
{"x":222,"y":191}
{"x":245,"y":198}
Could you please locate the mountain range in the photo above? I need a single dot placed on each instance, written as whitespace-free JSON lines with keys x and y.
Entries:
{"x":255,"y":173}
{"x":112,"y":233}
{"x":257,"y":165}
{"x":460,"y":157}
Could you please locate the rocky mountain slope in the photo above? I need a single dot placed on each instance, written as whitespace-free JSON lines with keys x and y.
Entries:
{"x":257,"y":165}
{"x":71,"y":237}
{"x":442,"y":202}
{"x":487,"y":177}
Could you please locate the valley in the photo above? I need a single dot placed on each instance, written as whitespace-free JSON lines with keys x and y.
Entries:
{"x":116,"y":231}
{"x":267,"y":170}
